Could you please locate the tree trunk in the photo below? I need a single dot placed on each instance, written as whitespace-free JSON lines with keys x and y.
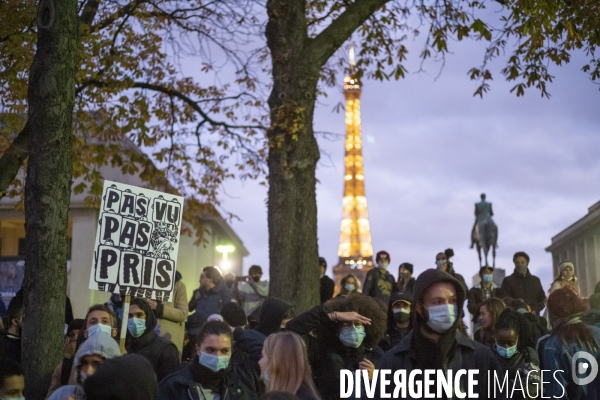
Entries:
{"x":293,"y":156}
{"x":51,"y":97}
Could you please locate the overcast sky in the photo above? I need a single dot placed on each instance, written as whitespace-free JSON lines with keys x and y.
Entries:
{"x":430,"y":149}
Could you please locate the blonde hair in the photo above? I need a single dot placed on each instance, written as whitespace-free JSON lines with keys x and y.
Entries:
{"x":288,"y":364}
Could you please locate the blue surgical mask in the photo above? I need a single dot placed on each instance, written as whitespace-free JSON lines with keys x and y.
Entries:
{"x":265,"y":377}
{"x":487,"y":278}
{"x":214,"y":363}
{"x":353,"y":336}
{"x":99,"y":328}
{"x":350,"y":288}
{"x":439,"y":263}
{"x":506,"y":352}
{"x":136,"y":326}
{"x":441,"y":317}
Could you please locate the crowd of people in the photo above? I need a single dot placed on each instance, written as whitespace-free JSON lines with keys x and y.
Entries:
{"x":232,"y":341}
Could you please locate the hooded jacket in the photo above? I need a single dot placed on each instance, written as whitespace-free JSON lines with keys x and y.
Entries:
{"x":211,"y":300}
{"x":160,"y":352}
{"x":270,"y":315}
{"x":395,"y":334}
{"x":453,"y":351}
{"x":130,"y":377}
{"x":380,"y":284}
{"x":100,"y":344}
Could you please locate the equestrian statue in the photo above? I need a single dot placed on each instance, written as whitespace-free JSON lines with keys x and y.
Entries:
{"x":485,"y":232}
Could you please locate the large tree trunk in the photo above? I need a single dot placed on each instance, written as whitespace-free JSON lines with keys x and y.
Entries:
{"x":293,"y":156}
{"x":51,"y":99}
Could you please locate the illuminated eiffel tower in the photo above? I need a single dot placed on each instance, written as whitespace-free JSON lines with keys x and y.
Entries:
{"x":355,"y":250}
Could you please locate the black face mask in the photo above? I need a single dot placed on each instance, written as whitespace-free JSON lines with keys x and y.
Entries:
{"x":401,"y":317}
{"x":256,"y":278}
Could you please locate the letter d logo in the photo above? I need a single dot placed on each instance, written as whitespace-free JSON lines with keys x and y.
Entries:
{"x":583,"y":368}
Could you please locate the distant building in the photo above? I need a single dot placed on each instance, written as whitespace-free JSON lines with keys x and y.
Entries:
{"x":580,"y":244}
{"x":81,"y":232}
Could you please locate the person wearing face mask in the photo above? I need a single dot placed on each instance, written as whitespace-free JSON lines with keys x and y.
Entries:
{"x":254,"y":291}
{"x":341,"y":334}
{"x":398,"y":319}
{"x":97,"y":348}
{"x":216,"y":371}
{"x":12,"y":380}
{"x":379,"y":282}
{"x":485,"y":289}
{"x":514,"y":352}
{"x":522,"y":285}
{"x":406,"y":282}
{"x":10,"y":339}
{"x":142,"y":339}
{"x":443,"y":263}
{"x":435,"y":342}
{"x":349,"y":285}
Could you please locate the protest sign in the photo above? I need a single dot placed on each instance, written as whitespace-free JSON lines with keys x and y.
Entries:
{"x":137,"y":240}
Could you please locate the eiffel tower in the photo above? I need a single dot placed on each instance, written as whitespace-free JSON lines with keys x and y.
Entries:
{"x":355,"y":250}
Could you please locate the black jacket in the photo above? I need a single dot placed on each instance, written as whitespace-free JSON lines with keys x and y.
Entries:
{"x":10,"y":346}
{"x":211,"y":301}
{"x":161,"y":352}
{"x":240,"y":382}
{"x":379,"y":284}
{"x":526,"y":287}
{"x":327,"y":359}
{"x":475,"y":298}
{"x":327,"y":287}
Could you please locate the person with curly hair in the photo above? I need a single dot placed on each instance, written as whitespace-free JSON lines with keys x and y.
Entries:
{"x":284,"y":366}
{"x":341,"y":334}
{"x":489,"y":311}
{"x":349,"y":285}
{"x":570,"y":335}
{"x":513,"y":349}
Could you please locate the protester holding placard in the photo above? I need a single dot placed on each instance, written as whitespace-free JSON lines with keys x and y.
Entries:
{"x":142,"y":339}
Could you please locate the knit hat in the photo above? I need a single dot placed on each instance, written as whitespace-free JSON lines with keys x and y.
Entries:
{"x":564,"y":265}
{"x":234,"y":315}
{"x":407,"y":266}
{"x":381,"y":253}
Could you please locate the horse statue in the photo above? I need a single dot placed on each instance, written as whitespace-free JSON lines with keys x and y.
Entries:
{"x":485,"y":232}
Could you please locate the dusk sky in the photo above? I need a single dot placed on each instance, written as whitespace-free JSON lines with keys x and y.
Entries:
{"x":431,"y":148}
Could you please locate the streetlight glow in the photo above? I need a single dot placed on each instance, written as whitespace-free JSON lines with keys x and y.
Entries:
{"x":225,"y":250}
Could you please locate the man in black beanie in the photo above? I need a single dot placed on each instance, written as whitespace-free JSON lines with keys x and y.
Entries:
{"x":233,"y":314}
{"x":435,"y":342}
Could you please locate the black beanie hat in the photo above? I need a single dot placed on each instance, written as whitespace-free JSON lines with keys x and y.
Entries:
{"x":234,"y":315}
{"x":408,"y":266}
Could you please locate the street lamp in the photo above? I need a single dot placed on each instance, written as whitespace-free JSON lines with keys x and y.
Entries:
{"x":225,"y":250}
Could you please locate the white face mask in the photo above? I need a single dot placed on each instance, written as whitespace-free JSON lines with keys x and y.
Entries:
{"x":99,"y":328}
{"x":442,"y":317}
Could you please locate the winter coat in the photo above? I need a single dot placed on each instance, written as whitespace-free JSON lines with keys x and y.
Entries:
{"x":172,"y":316}
{"x":123,"y":378}
{"x":241,"y":380}
{"x":475,"y":298}
{"x":10,"y":346}
{"x":271,"y":314}
{"x":100,"y":344}
{"x":522,"y":363}
{"x":253,"y":294}
{"x":379,"y":283}
{"x":557,"y":355}
{"x":328,"y":359}
{"x":211,"y":301}
{"x":327,"y":287}
{"x":465,"y":354}
{"x":452,"y":351}
{"x":526,"y":287}
{"x":407,"y":287}
{"x":161,"y":352}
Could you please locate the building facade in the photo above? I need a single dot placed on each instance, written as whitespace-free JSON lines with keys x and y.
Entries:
{"x":580,"y":244}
